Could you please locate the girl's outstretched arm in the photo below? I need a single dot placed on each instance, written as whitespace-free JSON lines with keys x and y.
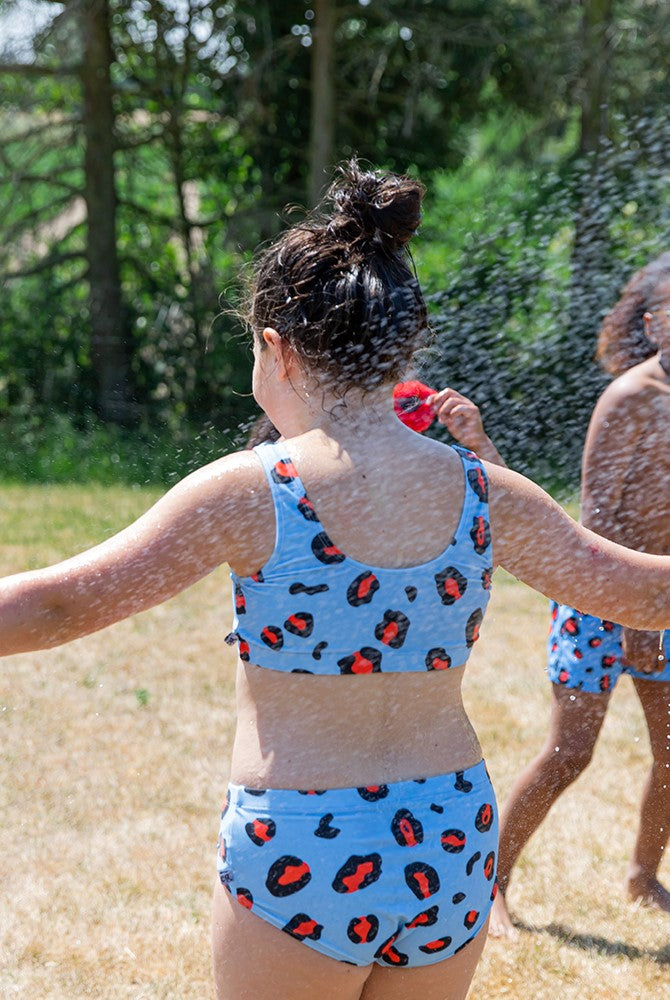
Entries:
{"x":194,"y":528}
{"x":537,"y":542}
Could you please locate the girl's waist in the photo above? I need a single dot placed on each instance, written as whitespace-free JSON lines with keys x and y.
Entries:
{"x":451,"y":784}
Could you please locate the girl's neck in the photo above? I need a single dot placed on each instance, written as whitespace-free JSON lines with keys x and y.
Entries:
{"x":355,"y":415}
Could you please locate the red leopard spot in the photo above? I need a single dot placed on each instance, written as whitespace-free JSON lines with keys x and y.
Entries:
{"x":424,"y":919}
{"x":453,"y":841}
{"x":432,"y":947}
{"x":358,"y":872}
{"x":406,"y":829}
{"x":362,"y":589}
{"x":450,"y":584}
{"x":484,"y":817}
{"x":301,"y":623}
{"x":260,"y":831}
{"x":480,"y":534}
{"x":362,"y":930}
{"x":437,"y":659}
{"x":302,"y":926}
{"x":364,"y":661}
{"x":284,"y":471}
{"x":422,"y":879}
{"x":287,"y":875}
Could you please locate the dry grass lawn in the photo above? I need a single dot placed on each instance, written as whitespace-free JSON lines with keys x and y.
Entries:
{"x":114,"y":756}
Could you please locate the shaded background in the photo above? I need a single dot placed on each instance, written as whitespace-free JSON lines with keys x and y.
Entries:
{"x":149,"y":146}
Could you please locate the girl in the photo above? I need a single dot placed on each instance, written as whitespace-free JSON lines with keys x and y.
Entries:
{"x":624,"y":471}
{"x":357,"y":847}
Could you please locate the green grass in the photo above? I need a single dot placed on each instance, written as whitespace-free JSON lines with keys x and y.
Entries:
{"x":114,"y":755}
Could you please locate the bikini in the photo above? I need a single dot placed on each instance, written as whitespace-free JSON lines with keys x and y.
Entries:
{"x":585,"y":653}
{"x":401,"y":873}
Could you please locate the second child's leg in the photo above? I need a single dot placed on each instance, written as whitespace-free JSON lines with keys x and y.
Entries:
{"x":654,"y":829}
{"x":576,"y":719}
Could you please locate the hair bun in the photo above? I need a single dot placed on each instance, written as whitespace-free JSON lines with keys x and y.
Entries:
{"x":380,"y":208}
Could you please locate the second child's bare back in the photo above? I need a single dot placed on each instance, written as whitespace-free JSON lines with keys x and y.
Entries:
{"x":626,"y":464}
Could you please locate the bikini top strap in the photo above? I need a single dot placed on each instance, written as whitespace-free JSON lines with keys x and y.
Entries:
{"x":286,"y":487}
{"x":475,"y":476}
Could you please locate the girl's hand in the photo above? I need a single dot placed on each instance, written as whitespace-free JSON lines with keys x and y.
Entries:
{"x":460,"y":416}
{"x":463,"y":420}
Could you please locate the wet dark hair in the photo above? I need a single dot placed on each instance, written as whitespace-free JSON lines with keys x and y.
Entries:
{"x":340,"y":286}
{"x":262,"y":430}
{"x":622,"y":342}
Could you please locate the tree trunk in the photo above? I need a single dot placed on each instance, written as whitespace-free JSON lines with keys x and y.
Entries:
{"x":111,"y":350}
{"x":591,"y":243}
{"x":591,"y":249}
{"x":322,"y":119}
{"x":597,"y":50}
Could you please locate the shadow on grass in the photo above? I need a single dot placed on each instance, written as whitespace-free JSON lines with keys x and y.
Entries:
{"x":600,"y":945}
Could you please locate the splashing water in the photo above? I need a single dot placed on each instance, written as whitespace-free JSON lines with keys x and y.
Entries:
{"x":516,"y":325}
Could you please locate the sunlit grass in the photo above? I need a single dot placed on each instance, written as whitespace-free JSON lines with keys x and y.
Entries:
{"x":114,"y":756}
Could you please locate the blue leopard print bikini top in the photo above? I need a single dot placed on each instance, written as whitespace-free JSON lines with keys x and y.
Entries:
{"x":313,"y":609}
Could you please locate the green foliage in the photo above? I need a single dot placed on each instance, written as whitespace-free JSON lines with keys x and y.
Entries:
{"x":53,"y":448}
{"x":521,"y":289}
{"x":481,"y":97}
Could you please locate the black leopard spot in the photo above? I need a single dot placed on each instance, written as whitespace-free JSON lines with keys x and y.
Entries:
{"x":450,"y":584}
{"x":301,"y":623}
{"x":480,"y":533}
{"x":325,"y":830}
{"x":422,"y":879}
{"x":406,"y":829}
{"x":373,"y":793}
{"x":301,"y":926}
{"x":392,"y":630}
{"x":358,"y":872}
{"x":273,"y":637}
{"x":484,"y":817}
{"x":306,"y":508}
{"x":284,"y":471}
{"x":472,"y":627}
{"x":362,"y":930}
{"x":325,"y":551}
{"x":478,"y":482}
{"x":432,"y":947}
{"x":287,"y":875}
{"x":424,"y":919}
{"x":362,"y":589}
{"x":389,"y":954}
{"x":437,"y":659}
{"x":261,"y":831}
{"x":453,"y":841}
{"x":472,"y":862}
{"x":366,"y":660}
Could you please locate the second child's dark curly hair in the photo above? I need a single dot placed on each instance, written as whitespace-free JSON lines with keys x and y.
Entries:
{"x":340,"y":286}
{"x":622,"y":342}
